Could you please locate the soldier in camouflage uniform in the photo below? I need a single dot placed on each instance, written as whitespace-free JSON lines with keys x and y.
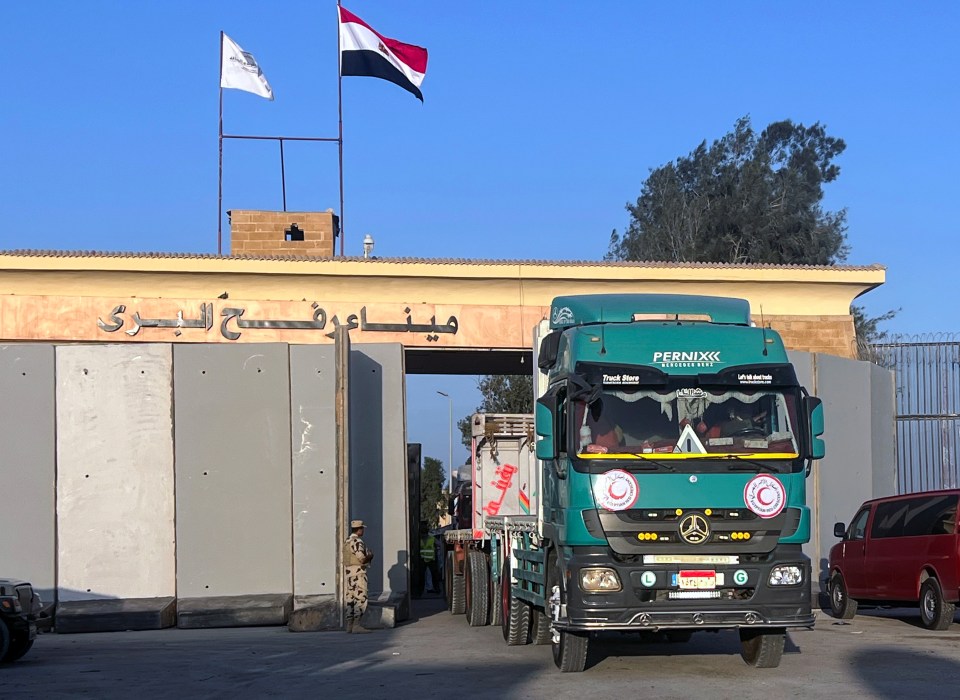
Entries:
{"x":356,"y":558}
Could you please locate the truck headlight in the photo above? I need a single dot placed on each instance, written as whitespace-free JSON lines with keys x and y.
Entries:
{"x":785,"y":576}
{"x":599,"y":580}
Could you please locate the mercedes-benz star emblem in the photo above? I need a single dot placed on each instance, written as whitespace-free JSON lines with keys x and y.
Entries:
{"x":694,"y":529}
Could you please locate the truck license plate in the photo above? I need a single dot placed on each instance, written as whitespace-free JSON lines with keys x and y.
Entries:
{"x":697,"y":580}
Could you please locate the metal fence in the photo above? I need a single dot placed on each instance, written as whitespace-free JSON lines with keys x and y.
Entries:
{"x":928,"y":409}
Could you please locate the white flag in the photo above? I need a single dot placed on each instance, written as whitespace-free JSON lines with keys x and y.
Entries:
{"x":239,"y":69}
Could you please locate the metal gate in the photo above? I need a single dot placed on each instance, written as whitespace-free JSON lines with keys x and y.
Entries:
{"x":928,"y":409}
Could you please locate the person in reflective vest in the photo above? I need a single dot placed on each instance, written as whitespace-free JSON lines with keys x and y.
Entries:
{"x":428,"y":558}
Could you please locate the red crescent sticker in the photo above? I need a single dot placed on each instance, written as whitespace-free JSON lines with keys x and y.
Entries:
{"x":765,"y":496}
{"x":617,"y":496}
{"x":616,"y":489}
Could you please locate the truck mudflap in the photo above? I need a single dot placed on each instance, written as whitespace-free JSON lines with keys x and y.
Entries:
{"x":658,"y":596}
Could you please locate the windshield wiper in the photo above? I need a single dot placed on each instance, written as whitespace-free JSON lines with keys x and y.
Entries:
{"x":657,"y":462}
{"x":747,"y":464}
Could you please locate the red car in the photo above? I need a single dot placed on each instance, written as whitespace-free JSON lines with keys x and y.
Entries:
{"x":899,"y":550}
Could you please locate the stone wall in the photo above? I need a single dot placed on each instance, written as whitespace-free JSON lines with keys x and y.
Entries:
{"x":262,"y":233}
{"x":832,"y":335}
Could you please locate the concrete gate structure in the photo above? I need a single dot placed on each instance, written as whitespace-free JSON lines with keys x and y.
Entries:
{"x":170,"y":418}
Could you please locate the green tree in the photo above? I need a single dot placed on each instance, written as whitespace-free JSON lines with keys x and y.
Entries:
{"x":500,"y":393}
{"x":433,"y":499}
{"x":869,"y":333}
{"x":746,"y":198}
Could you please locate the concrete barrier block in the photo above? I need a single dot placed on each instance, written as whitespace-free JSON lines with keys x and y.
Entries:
{"x":234,"y":611}
{"x":115,"y":615}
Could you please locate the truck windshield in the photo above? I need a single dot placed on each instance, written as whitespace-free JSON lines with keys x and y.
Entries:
{"x":729,"y":423}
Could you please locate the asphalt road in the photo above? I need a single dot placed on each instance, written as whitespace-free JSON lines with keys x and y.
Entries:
{"x":880,"y":654}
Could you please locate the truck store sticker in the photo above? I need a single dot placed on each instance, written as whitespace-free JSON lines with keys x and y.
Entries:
{"x":694,"y":358}
{"x":765,"y":496}
{"x":755,"y":378}
{"x":622,"y":378}
{"x":616,"y":490}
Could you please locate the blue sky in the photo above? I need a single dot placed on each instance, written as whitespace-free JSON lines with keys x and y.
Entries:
{"x":540,"y":122}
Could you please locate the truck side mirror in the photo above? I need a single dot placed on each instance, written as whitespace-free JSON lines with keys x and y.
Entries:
{"x":814,"y":409}
{"x":839,"y":530}
{"x":544,"y":418}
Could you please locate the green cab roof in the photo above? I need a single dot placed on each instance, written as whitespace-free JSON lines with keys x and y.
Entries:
{"x":581,"y":309}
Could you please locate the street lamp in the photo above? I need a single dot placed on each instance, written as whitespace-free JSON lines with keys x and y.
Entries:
{"x":450,"y":455}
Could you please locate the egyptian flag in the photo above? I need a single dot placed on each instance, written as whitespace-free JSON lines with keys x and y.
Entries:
{"x":363,"y":51}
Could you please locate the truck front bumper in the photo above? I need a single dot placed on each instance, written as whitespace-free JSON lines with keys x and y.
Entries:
{"x":651,"y":599}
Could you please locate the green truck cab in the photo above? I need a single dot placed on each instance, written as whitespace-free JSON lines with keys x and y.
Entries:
{"x":675,"y":443}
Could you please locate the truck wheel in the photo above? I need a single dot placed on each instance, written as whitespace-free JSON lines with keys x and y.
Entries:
{"x":454,"y":587}
{"x":477,"y":589}
{"x":570,"y":649}
{"x":540,"y":632}
{"x":4,"y":640}
{"x":19,"y":645}
{"x":935,"y":612}
{"x":467,"y":587}
{"x":516,"y":613}
{"x":762,"y":648}
{"x":496,"y":604}
{"x":841,"y":604}
{"x":447,"y":579}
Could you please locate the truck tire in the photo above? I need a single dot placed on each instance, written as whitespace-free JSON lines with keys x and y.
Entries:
{"x":935,"y":612}
{"x":454,"y":587}
{"x":540,"y":632}
{"x":477,"y":587}
{"x":447,"y":580}
{"x":20,"y":644}
{"x":762,"y":648}
{"x":570,"y":649}
{"x":516,"y":613}
{"x":842,"y":606}
{"x":496,"y":604}
{"x":4,"y":640}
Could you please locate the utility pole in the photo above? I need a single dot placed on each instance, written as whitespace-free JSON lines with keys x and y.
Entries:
{"x":450,"y":435}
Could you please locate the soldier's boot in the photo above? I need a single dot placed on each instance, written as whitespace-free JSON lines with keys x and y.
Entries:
{"x":349,"y":626}
{"x":360,"y":629}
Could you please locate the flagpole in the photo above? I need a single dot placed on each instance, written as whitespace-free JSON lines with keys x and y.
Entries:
{"x":340,"y":116}
{"x":220,"y":167}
